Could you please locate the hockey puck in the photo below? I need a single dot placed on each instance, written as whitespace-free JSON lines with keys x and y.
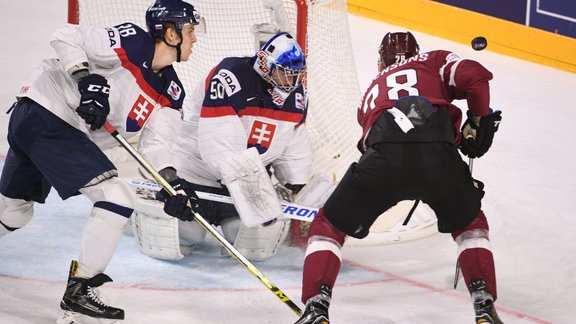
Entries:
{"x":479,"y":43}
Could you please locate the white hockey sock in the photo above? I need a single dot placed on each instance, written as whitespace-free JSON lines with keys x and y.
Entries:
{"x":14,"y":213}
{"x":100,"y":238}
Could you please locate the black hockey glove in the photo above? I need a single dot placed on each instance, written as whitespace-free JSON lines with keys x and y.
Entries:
{"x":178,"y":205}
{"x":94,"y":106}
{"x":477,"y":137}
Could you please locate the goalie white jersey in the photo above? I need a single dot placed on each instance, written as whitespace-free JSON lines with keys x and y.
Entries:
{"x":123,"y":55}
{"x":233,"y":111}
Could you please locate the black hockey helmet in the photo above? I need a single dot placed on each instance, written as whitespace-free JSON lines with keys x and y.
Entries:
{"x":176,"y":12}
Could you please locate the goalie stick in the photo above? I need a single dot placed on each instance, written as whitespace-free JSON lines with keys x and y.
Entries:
{"x":289,"y":210}
{"x":202,"y":222}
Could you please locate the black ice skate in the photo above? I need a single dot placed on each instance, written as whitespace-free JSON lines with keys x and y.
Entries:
{"x":316,"y":311}
{"x":81,"y":297}
{"x":483,"y":304}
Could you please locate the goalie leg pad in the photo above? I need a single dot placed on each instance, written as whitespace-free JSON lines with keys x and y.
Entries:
{"x":262,"y":242}
{"x":230,"y":228}
{"x":191,"y":233}
{"x":156,"y":232}
{"x":250,"y":187}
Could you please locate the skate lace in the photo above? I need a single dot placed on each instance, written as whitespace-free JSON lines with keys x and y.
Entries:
{"x":96,"y":296}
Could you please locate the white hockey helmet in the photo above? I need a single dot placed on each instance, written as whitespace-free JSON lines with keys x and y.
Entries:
{"x":281,"y":62}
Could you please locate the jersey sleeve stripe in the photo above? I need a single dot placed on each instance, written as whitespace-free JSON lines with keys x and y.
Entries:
{"x":144,"y":85}
{"x":221,"y":111}
{"x":272,"y":114}
{"x":453,"y":68}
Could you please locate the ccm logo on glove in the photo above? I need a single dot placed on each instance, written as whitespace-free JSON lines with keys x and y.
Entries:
{"x":94,"y":106}
{"x":98,"y":88}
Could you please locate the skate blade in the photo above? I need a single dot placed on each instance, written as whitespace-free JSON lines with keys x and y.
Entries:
{"x":69,"y":317}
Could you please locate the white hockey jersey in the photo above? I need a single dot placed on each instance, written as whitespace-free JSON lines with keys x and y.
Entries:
{"x":234,"y":111}
{"x":123,"y":55}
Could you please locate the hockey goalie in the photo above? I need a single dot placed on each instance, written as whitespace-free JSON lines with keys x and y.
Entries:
{"x":245,"y":123}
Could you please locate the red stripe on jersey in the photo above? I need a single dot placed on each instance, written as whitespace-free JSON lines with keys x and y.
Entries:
{"x":272,"y":114}
{"x":211,"y":112}
{"x":144,"y":85}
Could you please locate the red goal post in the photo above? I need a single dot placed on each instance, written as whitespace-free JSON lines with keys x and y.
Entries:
{"x":238,"y":28}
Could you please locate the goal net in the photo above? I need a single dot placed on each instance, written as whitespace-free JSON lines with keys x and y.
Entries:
{"x":239,"y":27}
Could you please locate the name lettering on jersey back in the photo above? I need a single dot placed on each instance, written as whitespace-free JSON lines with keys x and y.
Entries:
{"x":229,"y":81}
{"x":139,"y":114}
{"x":261,"y":136}
{"x":420,"y":58}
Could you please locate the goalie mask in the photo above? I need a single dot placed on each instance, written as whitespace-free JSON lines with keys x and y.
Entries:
{"x":396,"y":47}
{"x":281,"y":62}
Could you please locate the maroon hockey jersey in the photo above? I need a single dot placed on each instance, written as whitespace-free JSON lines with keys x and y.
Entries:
{"x":439,"y":76}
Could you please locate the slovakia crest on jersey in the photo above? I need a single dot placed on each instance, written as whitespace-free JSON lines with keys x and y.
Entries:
{"x":174,"y":90}
{"x":139,"y":114}
{"x":261,"y":136}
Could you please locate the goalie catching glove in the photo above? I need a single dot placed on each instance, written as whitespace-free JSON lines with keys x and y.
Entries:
{"x":478,"y":134}
{"x":185,"y":203}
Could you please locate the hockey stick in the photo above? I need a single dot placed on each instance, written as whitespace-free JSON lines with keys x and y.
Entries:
{"x":457,"y":272}
{"x":202,"y":222}
{"x":411,"y":212}
{"x":289,"y":210}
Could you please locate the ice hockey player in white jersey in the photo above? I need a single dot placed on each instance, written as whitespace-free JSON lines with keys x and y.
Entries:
{"x":119,"y":75}
{"x":247,"y":116}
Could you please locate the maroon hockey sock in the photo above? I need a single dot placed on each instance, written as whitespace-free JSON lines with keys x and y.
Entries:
{"x":478,"y":263}
{"x":476,"y":260}
{"x":320,"y":268}
{"x":322,"y":262}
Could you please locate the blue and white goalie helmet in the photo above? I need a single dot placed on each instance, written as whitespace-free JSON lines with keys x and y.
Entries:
{"x":281,"y":62}
{"x":176,"y":12}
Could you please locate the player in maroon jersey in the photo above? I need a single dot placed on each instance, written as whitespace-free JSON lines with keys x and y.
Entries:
{"x":410,"y":141}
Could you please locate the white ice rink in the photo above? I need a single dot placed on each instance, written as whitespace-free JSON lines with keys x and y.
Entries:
{"x":530,"y":182}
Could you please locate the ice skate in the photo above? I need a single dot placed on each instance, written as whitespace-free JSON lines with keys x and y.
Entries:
{"x":82,"y":298}
{"x":483,"y":304}
{"x":316,"y":311}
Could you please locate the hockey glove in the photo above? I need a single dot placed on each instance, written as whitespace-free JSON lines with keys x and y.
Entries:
{"x":477,"y":136}
{"x":184,"y":203}
{"x":94,"y":106}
